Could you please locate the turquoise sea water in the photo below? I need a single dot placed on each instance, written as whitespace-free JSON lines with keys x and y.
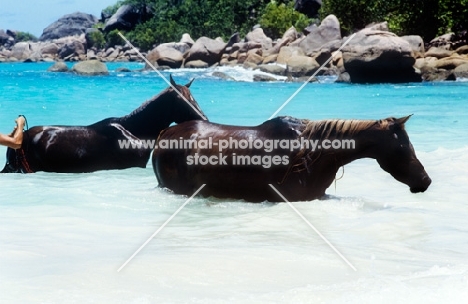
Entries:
{"x":63,"y":236}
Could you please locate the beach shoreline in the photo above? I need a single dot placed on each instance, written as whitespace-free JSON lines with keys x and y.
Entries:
{"x":371,"y":55}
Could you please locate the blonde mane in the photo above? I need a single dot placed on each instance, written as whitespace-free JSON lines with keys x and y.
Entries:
{"x":328,"y":129}
{"x":337,"y":128}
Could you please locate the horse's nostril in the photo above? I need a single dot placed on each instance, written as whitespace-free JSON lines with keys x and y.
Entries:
{"x":427,"y":180}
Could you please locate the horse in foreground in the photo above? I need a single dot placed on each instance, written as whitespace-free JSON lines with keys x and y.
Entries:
{"x":241,"y":162}
{"x":76,"y":149}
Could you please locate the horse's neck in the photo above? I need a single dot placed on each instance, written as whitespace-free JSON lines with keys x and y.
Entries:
{"x":148,"y":120}
{"x":323,"y":165}
{"x":356,"y":146}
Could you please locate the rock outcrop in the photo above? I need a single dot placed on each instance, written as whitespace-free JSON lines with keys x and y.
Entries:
{"x":127,"y":17}
{"x":69,"y":25}
{"x":207,"y":50}
{"x":58,"y":67}
{"x":374,"y":55}
{"x":168,"y":54}
{"x":90,"y":68}
{"x":258,"y":36}
{"x":379,"y":56}
{"x":328,"y":31}
{"x":21,"y":51}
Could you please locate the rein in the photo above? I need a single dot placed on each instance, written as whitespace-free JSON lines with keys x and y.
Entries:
{"x":20,"y":155}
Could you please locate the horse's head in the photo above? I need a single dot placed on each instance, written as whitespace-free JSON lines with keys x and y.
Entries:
{"x":186,"y":107}
{"x":396,"y":155}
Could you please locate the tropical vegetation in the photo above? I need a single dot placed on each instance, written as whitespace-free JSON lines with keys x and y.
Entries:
{"x":221,"y":18}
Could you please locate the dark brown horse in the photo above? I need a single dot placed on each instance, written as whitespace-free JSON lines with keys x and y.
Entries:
{"x":241,"y":162}
{"x":95,"y":147}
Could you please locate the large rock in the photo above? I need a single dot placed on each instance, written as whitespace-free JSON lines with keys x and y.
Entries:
{"x":416,"y":43}
{"x":289,"y":36}
{"x":258,"y":36}
{"x":461,"y":71}
{"x":328,"y":31}
{"x":243,"y":47}
{"x":432,"y":74}
{"x":73,"y":48}
{"x":263,"y":78}
{"x":3,"y":37}
{"x":272,"y":69}
{"x":21,"y":51}
{"x":187,"y":39}
{"x":463,"y":50}
{"x":422,"y":63}
{"x":299,"y":66}
{"x":180,"y":46}
{"x":90,"y":67}
{"x":36,"y":53}
{"x":69,"y":25}
{"x":58,"y":67}
{"x":126,"y":17}
{"x":438,"y":52}
{"x":381,"y":26}
{"x":288,"y":52}
{"x":253,"y":58}
{"x":444,"y":41}
{"x":196,"y":64}
{"x":50,"y":49}
{"x":222,"y":76}
{"x":207,"y":50}
{"x":379,"y":56}
{"x":308,"y":7}
{"x":167,"y":54}
{"x":450,"y":63}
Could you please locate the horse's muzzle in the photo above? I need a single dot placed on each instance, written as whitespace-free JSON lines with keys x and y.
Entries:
{"x":426,"y":181}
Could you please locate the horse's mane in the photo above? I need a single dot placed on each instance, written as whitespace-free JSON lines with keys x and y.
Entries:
{"x":328,"y":129}
{"x":144,"y":105}
{"x":336,"y":128}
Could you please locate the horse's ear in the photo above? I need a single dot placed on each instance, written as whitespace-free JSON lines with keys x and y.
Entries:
{"x":172,"y":80}
{"x":190,"y":83}
{"x":401,"y":121}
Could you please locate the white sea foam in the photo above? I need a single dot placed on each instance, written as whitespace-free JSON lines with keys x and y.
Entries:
{"x":238,"y":73}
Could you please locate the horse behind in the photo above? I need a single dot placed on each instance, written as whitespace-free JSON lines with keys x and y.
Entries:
{"x":75,"y":149}
{"x":299,"y":157}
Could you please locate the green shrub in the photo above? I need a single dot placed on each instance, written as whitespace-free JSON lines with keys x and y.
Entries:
{"x":211,"y":18}
{"x":155,"y":31}
{"x":97,"y":39}
{"x":113,"y":38}
{"x":427,"y":18}
{"x":25,"y":36}
{"x":356,"y":14}
{"x":278,"y":17}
